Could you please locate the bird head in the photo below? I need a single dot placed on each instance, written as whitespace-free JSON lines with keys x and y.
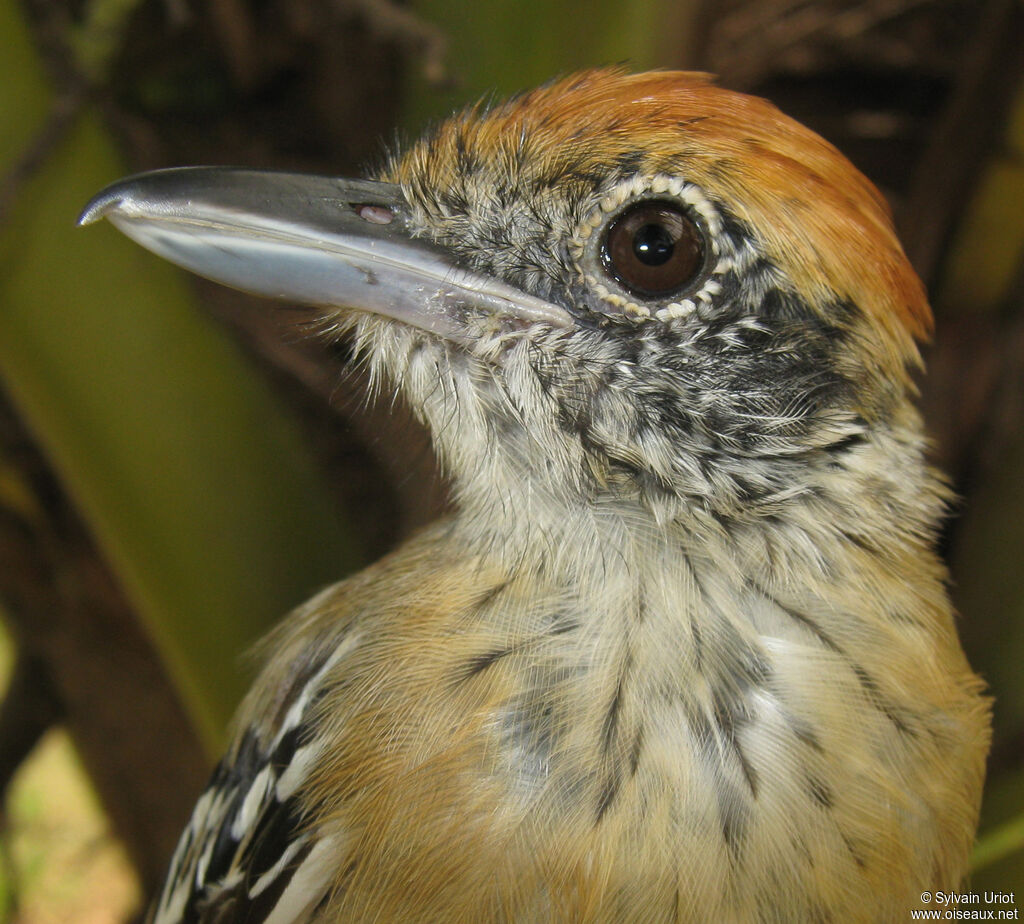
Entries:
{"x":642,"y":290}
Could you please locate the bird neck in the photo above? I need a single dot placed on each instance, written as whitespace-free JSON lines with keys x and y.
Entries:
{"x":844,"y":518}
{"x":561,"y":471}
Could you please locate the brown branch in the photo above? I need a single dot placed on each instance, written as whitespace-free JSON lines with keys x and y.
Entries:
{"x":963,"y":136}
{"x":391,"y":21}
{"x":70,"y":617}
{"x":53,"y":130}
{"x":29,"y":709}
{"x":752,"y":41}
{"x":237,"y":34}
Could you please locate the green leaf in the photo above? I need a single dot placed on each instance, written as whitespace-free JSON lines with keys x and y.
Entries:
{"x":196,"y":485}
{"x":503,"y":46}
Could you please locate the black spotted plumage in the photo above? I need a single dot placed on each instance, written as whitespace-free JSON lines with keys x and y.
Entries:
{"x":237,"y":858}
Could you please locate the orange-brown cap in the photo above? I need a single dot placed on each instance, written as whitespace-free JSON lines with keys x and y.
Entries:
{"x":815,"y":215}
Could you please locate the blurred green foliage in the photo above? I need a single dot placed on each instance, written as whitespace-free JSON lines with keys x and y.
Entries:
{"x":503,"y":46}
{"x":198,"y":488}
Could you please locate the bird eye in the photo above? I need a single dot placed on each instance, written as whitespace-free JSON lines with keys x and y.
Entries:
{"x":653,"y":248}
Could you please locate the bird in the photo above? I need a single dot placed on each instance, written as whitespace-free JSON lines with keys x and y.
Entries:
{"x":683,"y":650}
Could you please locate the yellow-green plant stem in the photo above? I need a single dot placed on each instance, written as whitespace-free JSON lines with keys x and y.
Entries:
{"x":196,"y":486}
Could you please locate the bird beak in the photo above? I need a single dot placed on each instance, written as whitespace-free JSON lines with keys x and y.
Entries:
{"x":316,"y":240}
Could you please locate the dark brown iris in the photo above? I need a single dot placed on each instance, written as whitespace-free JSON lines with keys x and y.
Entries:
{"x":653,"y":248}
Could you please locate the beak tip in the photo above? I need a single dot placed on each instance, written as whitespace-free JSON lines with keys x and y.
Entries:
{"x":139,"y":194}
{"x":99,"y":206}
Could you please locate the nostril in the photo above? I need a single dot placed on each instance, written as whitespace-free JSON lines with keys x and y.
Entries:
{"x":375,"y":214}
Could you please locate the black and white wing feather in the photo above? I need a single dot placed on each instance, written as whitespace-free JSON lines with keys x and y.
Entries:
{"x":248,"y":853}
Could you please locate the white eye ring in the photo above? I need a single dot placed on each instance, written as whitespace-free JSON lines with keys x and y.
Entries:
{"x":585,"y":247}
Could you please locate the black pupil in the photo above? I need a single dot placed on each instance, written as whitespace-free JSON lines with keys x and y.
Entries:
{"x":653,"y":245}
{"x":653,"y":248}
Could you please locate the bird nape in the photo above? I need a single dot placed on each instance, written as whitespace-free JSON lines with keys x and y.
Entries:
{"x":683,"y":652}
